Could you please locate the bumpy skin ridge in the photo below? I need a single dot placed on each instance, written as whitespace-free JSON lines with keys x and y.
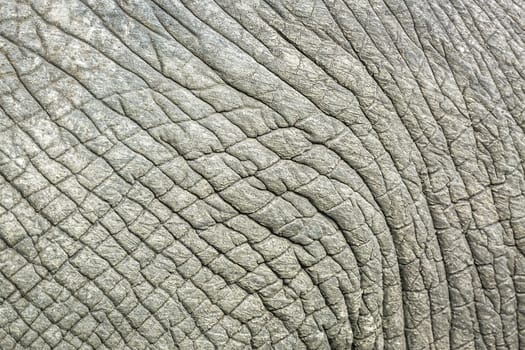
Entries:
{"x":221,"y":174}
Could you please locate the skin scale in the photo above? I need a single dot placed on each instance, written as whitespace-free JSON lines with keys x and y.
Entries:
{"x":262,"y":174}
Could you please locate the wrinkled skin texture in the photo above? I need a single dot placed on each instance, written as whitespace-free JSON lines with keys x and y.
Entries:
{"x":262,"y":174}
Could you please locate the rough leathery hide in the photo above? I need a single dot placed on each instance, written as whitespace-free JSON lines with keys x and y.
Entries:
{"x":201,"y":174}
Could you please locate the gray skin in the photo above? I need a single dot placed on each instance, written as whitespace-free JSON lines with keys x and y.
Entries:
{"x":258,"y":174}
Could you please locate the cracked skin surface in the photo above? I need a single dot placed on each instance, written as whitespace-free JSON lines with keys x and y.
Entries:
{"x":222,"y":174}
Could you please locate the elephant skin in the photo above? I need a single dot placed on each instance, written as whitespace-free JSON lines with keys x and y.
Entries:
{"x":262,"y":174}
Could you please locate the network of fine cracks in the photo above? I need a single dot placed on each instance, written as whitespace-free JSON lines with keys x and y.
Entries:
{"x":285,"y":174}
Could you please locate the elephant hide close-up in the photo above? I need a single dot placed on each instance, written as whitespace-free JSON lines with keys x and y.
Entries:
{"x":262,"y":174}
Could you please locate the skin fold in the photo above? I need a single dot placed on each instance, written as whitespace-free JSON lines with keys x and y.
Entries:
{"x":262,"y":174}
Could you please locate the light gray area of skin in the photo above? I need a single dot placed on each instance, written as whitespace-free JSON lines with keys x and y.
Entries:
{"x":262,"y":174}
